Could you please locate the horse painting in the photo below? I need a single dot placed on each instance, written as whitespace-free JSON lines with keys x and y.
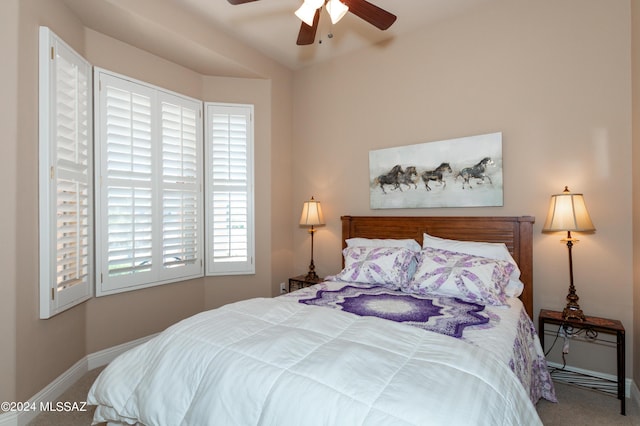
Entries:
{"x":437,"y":175}
{"x":425,"y":175}
{"x":477,"y":172}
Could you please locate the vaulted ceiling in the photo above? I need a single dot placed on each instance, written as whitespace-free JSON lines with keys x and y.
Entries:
{"x":268,"y":26}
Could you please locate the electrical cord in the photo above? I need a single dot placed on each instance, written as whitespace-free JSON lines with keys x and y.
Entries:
{"x":588,"y":332}
{"x":554,"y":341}
{"x":564,"y":361}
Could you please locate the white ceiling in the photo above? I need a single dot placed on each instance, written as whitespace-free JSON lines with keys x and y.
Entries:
{"x":271,"y":27}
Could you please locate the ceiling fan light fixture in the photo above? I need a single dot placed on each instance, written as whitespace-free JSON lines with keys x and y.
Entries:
{"x":315,"y":4}
{"x":306,"y":13}
{"x":336,"y":10}
{"x":309,"y":13}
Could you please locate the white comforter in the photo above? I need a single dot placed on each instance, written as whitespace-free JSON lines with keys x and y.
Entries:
{"x":274,"y":362}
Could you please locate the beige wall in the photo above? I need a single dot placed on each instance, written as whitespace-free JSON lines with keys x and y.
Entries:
{"x":635,"y":10}
{"x":554,"y":77}
{"x":33,"y":351}
{"x":9,"y":49}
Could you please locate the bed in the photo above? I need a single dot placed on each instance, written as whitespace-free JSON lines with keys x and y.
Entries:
{"x":373,"y":344}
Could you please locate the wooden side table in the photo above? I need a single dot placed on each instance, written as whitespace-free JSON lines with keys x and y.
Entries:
{"x":593,"y":324}
{"x":301,"y":281}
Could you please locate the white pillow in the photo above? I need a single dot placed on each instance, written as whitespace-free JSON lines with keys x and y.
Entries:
{"x":385,"y":266}
{"x":514,"y":288}
{"x":409,"y":243}
{"x":471,"y":278}
{"x":497,"y":251}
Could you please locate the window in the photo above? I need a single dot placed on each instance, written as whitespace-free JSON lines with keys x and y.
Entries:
{"x":149,"y":185}
{"x":66,"y":177}
{"x":230,"y":200}
{"x":122,"y":204}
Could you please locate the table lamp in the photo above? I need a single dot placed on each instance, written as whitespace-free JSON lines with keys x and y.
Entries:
{"x":311,"y":216}
{"x":568,"y":212}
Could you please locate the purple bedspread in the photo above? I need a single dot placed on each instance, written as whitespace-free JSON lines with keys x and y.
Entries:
{"x":444,"y":315}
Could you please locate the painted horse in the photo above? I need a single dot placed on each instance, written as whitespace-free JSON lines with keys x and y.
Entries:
{"x":390,"y":178}
{"x":436,"y":175}
{"x":477,"y":171}
{"x":408,"y":177}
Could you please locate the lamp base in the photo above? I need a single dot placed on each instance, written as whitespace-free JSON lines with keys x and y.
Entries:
{"x":572,"y":312}
{"x":311,"y":276}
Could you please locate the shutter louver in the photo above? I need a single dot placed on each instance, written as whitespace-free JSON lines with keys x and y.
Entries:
{"x":230,"y":201}
{"x":230,"y":226}
{"x":66,"y":174}
{"x":72,"y":233}
{"x":229,"y":150}
{"x":229,"y":172}
{"x":180,"y":231}
{"x":72,"y":177}
{"x":129,"y":181}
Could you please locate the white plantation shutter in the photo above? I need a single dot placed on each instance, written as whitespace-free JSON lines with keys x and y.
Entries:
{"x":66,"y":173}
{"x":127,"y":179}
{"x":149,"y":196}
{"x":181,"y":184}
{"x":230,"y":200}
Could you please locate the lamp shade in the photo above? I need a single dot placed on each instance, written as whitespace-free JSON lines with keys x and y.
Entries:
{"x":311,"y":213}
{"x":568,"y":212}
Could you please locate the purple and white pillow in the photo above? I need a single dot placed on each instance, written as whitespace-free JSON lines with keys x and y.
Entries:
{"x":497,"y":251}
{"x":390,"y":267}
{"x":468,"y":277}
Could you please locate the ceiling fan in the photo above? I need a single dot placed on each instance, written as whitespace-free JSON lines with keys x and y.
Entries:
{"x":309,"y":13}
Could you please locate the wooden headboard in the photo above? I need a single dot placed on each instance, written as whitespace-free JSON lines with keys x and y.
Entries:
{"x":514,"y":231}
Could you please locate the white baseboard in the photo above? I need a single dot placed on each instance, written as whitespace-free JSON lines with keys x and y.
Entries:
{"x":105,"y":356}
{"x":635,"y":395}
{"x":630,"y":387}
{"x":64,"y":381}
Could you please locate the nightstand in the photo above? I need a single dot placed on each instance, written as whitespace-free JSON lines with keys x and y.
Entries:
{"x":593,"y":326}
{"x":301,"y":281}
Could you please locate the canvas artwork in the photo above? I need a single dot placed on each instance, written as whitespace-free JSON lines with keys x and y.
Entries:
{"x":462,"y":172}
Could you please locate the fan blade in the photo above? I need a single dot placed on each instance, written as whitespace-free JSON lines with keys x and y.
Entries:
{"x":307,"y":33}
{"x":371,"y":13}
{"x":234,"y":2}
